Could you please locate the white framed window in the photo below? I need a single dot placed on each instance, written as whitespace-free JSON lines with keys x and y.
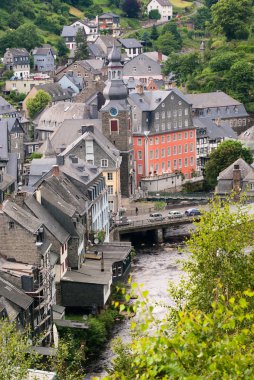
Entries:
{"x":163,"y":114}
{"x":110,"y":176}
{"x":104,"y":163}
{"x":151,"y":141}
{"x":185,"y":135}
{"x":185,"y":148}
{"x":156,"y":140}
{"x":186,"y":162}
{"x":186,"y":122}
{"x":169,"y":125}
{"x":191,"y":161}
{"x":191,"y":147}
{"x":157,"y":153}
{"x":163,"y":166}
{"x":191,"y":135}
{"x":163,"y":153}
{"x":168,"y":113}
{"x":186,"y":111}
{"x":169,"y":165}
{"x":180,"y":163}
{"x":175,"y":164}
{"x":139,"y":154}
{"x":169,"y":152}
{"x":163,"y":126}
{"x":175,"y":150}
{"x":139,"y":142}
{"x":110,"y":189}
{"x":157,"y":115}
{"x":180,"y":112}
{"x":179,"y":136}
{"x":174,"y":137}
{"x":179,"y":149}
{"x":162,"y":139}
{"x":168,"y":138}
{"x":151,"y":154}
{"x":140,"y":169}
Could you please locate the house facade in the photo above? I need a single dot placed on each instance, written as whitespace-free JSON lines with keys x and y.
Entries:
{"x":143,"y":69}
{"x":164,"y":137}
{"x":25,"y":85}
{"x":18,"y":61}
{"x":131,"y":46}
{"x":164,"y":7}
{"x":90,"y":27}
{"x":69,"y":35}
{"x":44,"y":60}
{"x":109,"y":22}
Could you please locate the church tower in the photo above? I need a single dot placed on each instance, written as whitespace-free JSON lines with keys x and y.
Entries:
{"x":116,"y":119}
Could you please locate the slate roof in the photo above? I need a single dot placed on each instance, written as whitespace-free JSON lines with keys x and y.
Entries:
{"x":149,"y":100}
{"x":227,"y":174}
{"x":49,"y":222}
{"x":247,"y":135}
{"x":70,"y":31}
{"x":15,"y":295}
{"x":154,"y":55}
{"x":12,"y":165}
{"x":56,"y":92}
{"x":95,"y":50}
{"x":108,"y":15}
{"x":21,"y":216}
{"x":141,"y":63}
{"x":19,"y":52}
{"x":39,"y":167}
{"x":211,"y":99}
{"x":93,"y":65}
{"x":164,"y":3}
{"x":7,"y":181}
{"x":42,"y":51}
{"x":6,"y":107}
{"x":129,"y":43}
{"x":69,"y":131}
{"x":4,"y":142}
{"x":214,"y":131}
{"x":58,"y":201}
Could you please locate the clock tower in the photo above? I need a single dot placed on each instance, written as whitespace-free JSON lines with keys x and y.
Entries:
{"x":116,"y":119}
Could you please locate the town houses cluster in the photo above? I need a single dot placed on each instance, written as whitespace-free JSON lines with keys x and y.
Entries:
{"x":116,"y":128}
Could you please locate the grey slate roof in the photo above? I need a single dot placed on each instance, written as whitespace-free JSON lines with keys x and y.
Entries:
{"x":42,"y":51}
{"x":19,"y":52}
{"x":164,"y":3}
{"x":12,"y":165}
{"x":149,"y":100}
{"x":15,"y":295}
{"x":129,"y":43}
{"x":70,"y":31}
{"x":58,"y":201}
{"x":6,"y":107}
{"x":211,"y":99}
{"x":143,"y":65}
{"x":154,"y":55}
{"x":7,"y":181}
{"x":39,"y":167}
{"x":49,"y":222}
{"x":214,"y":131}
{"x":227,"y":174}
{"x":56,"y":92}
{"x":21,"y":216}
{"x":4,"y":142}
{"x":108,"y":15}
{"x":10,"y":121}
{"x":95,"y":50}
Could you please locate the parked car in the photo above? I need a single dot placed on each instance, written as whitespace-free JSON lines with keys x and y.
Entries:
{"x":123,"y":221}
{"x":155,"y":217}
{"x":192,"y":212}
{"x":175,"y":214}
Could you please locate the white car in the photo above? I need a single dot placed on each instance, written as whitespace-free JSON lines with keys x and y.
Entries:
{"x":175,"y":214}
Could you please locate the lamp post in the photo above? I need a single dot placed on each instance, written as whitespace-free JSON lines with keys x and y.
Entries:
{"x":146,"y":134}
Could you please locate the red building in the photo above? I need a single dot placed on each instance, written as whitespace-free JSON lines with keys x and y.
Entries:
{"x":164,"y":138}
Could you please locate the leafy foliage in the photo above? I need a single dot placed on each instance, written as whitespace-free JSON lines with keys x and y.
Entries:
{"x":154,"y":14}
{"x":131,"y":8}
{"x":38,"y":103}
{"x":226,"y":153}
{"x":82,"y":50}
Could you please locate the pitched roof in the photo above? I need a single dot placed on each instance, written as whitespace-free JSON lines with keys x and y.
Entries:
{"x":21,"y":216}
{"x":4,"y":142}
{"x":164,"y":3}
{"x":42,"y":51}
{"x":214,"y":131}
{"x":6,"y":107}
{"x":227,"y":174}
{"x":156,"y":56}
{"x":14,"y":294}
{"x":39,"y":167}
{"x":211,"y":99}
{"x":18,"y":52}
{"x":49,"y":222}
{"x":71,"y":31}
{"x":142,"y":65}
{"x":56,"y":92}
{"x":129,"y":43}
{"x":7,"y":181}
{"x":108,"y":15}
{"x":247,"y":135}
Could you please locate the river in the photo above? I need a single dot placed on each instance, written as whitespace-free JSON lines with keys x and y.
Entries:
{"x":153,"y":267}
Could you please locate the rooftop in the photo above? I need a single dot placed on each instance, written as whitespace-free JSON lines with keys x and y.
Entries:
{"x":211,"y":99}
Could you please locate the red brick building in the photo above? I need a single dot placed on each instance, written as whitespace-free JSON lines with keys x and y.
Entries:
{"x":164,"y":138}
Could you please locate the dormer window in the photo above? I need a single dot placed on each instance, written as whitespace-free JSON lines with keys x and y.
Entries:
{"x":236,"y":109}
{"x":149,"y":69}
{"x":11,"y":225}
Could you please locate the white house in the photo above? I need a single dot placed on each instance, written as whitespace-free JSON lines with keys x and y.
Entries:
{"x":90,"y":28}
{"x":164,"y":8}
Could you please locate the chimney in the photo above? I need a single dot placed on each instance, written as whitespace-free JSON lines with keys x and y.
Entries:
{"x":60,"y":160}
{"x":87,"y":128}
{"x":20,"y":198}
{"x":55,"y":171}
{"x":237,"y":181}
{"x":159,"y":56}
{"x":139,"y":89}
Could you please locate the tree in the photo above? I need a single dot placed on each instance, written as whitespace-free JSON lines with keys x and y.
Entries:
{"x":166,"y":43}
{"x":154,"y":14}
{"x":38,"y":103}
{"x":231,"y":17}
{"x":201,"y":18}
{"x":183,"y":65}
{"x":81,"y":51}
{"x":63,"y":51}
{"x":226,"y":153}
{"x":131,"y":8}
{"x":14,"y":361}
{"x":241,"y":80}
{"x":154,"y":33}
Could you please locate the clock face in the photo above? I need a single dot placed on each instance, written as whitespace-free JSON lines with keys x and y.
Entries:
{"x":113,"y":111}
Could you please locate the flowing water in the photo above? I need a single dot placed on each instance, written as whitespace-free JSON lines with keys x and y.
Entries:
{"x":153,"y":267}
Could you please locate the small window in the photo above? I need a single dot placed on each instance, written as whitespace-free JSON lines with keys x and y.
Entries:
{"x":11,"y":225}
{"x":104,"y":163}
{"x":110,"y":189}
{"x":114,"y":125}
{"x":139,"y":142}
{"x":110,"y":176}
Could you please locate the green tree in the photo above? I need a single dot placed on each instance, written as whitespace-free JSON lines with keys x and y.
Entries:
{"x":154,"y":14}
{"x":226,"y":153}
{"x":38,"y":103}
{"x":223,"y":60}
{"x":131,"y":8}
{"x":241,"y":80}
{"x":166,"y":43}
{"x":154,"y":33}
{"x":81,"y":51}
{"x":201,"y":18}
{"x":159,"y":206}
{"x":62,"y":49}
{"x":183,"y":65}
{"x":231,"y":17}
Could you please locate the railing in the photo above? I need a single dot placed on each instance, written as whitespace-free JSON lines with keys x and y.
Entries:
{"x":154,"y":223}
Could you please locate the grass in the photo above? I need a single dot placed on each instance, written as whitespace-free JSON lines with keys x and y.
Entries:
{"x":181,"y":3}
{"x":76,"y":12}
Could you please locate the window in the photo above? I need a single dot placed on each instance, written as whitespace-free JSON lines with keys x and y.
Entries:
{"x":104,"y":163}
{"x":174,"y":137}
{"x":168,"y":113}
{"x":180,"y":123}
{"x":157,"y":167}
{"x":156,"y":115}
{"x":185,"y":135}
{"x":252,"y":186}
{"x":11,"y":225}
{"x":163,"y":126}
{"x":174,"y":150}
{"x":169,"y":125}
{"x":180,"y":162}
{"x":163,"y":114}
{"x":110,"y":189}
{"x":114,"y":126}
{"x":191,"y":147}
{"x":191,"y":161}
{"x":163,"y":166}
{"x":186,"y":162}
{"x":179,"y":136}
{"x":185,"y":148}
{"x":186,"y":111}
{"x":157,"y":153}
{"x":156,"y":140}
{"x":180,"y":112}
{"x":163,"y":153}
{"x":175,"y":164}
{"x":110,"y":176}
{"x":191,"y":135}
{"x":139,"y":142}
{"x":140,"y":169}
{"x":151,"y":154}
{"x":169,"y":165}
{"x":140,"y":155}
{"x":151,"y":141}
{"x":175,"y":124}
{"x":162,"y":139}
{"x":186,"y":123}
{"x":179,"y":149}
{"x":168,"y":138}
{"x":30,"y":149}
{"x":169,"y":151}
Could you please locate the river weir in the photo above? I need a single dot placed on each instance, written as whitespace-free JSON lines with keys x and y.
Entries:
{"x":154,"y":266}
